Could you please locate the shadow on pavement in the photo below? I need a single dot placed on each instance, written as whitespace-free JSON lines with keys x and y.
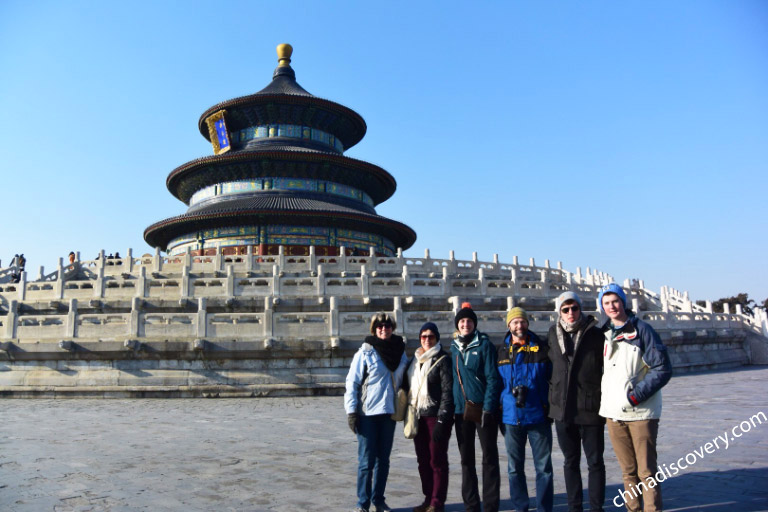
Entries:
{"x":737,"y":490}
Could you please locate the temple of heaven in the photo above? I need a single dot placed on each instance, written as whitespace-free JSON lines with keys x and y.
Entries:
{"x":279,"y":177}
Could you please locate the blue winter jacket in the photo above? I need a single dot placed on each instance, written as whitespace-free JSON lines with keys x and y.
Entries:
{"x":476,"y":364}
{"x":369,"y":387}
{"x":527,"y":366}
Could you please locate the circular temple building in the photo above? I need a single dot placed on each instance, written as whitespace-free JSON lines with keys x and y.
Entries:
{"x":279,"y":177}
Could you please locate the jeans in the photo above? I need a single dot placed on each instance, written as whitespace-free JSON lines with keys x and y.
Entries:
{"x":635,"y":445}
{"x":433,"y":462}
{"x":571,"y":437}
{"x":374,"y":444}
{"x":465,"y":436}
{"x":540,"y":438}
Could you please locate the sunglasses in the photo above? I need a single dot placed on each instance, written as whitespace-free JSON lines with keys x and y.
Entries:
{"x":568,"y":309}
{"x":428,"y":336}
{"x":384,"y":326}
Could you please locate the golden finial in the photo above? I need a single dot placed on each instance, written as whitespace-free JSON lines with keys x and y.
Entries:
{"x":284,"y":52}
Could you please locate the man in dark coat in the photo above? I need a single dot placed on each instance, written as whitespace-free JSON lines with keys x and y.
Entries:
{"x":575,"y":349}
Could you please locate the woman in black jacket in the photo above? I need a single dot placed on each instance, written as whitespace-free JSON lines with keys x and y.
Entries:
{"x":430,"y":381}
{"x":576,"y":352}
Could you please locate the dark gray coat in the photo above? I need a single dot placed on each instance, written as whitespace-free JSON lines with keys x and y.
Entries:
{"x":574,"y":389}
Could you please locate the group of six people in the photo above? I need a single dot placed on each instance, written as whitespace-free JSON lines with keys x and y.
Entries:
{"x":582,"y":376}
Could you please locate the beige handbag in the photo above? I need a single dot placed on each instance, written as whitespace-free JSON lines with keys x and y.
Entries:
{"x":401,"y":402}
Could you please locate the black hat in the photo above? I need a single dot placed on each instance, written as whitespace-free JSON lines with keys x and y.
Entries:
{"x":429,"y":326}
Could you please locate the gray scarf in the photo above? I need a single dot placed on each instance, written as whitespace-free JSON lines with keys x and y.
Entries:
{"x":575,"y":329}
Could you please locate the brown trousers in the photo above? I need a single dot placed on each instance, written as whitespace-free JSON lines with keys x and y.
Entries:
{"x":635,"y":445}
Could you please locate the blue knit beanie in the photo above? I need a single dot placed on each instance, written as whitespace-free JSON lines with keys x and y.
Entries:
{"x":611,"y":288}
{"x":429,"y":326}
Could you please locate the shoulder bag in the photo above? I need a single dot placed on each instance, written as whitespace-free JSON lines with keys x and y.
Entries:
{"x":472,"y":410}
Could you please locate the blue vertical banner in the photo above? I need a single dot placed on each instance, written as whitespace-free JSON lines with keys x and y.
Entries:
{"x":221,"y":134}
{"x":218,"y":134}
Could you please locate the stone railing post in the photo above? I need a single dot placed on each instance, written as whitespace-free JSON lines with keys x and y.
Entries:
{"x":333,"y":329}
{"x":71,"y":319}
{"x":364,"y":281}
{"x":141,"y":285}
{"x":136,"y":304}
{"x":230,"y":281}
{"x":483,"y":282}
{"x":202,"y":317}
{"x":11,"y":319}
{"x":372,"y":263}
{"x":22,"y":290}
{"x":312,"y":258}
{"x":157,"y":261}
{"x":400,"y":260}
{"x":218,"y":259}
{"x":276,"y":280}
{"x":58,"y":287}
{"x":456,"y":303}
{"x":128,"y":265}
{"x":513,"y":277}
{"x":184,"y":288}
{"x":405,"y":290}
{"x":281,"y":256}
{"x":342,"y":258}
{"x":98,"y":289}
{"x":320,"y":281}
{"x":397,"y":312}
{"x":249,"y":257}
{"x":268,"y":320}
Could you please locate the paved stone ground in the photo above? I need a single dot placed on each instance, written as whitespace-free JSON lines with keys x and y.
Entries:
{"x":297,"y":453}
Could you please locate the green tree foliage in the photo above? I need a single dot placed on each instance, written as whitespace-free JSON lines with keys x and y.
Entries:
{"x":743,"y":299}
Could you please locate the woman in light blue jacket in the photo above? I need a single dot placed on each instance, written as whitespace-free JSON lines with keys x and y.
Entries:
{"x":374,"y":377}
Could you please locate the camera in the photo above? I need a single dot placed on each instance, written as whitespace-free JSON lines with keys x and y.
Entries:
{"x":520,"y":393}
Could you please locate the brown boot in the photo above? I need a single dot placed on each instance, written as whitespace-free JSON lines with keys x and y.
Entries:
{"x":422,"y":508}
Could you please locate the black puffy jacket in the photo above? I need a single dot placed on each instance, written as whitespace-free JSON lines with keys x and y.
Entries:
{"x":439,"y":386}
{"x":574,"y":390}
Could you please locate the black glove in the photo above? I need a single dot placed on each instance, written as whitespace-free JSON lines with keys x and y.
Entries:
{"x":440,"y":431}
{"x":353,"y":422}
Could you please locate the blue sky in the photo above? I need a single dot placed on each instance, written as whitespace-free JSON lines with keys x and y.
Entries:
{"x":631,"y":137}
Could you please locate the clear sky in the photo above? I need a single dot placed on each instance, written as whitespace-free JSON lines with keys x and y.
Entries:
{"x":631,"y":137}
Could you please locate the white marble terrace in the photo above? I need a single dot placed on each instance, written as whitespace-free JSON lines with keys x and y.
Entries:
{"x":325,"y":299}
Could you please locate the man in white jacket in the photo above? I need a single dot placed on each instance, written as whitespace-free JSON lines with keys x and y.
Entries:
{"x":635,"y":368}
